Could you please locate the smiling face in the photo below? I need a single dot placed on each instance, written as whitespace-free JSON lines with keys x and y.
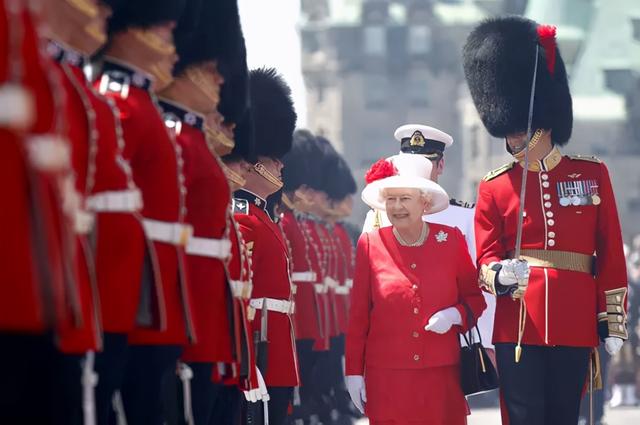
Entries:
{"x":404,"y":206}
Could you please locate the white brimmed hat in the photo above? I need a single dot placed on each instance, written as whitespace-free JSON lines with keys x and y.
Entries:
{"x":403,"y":171}
{"x":422,"y":139}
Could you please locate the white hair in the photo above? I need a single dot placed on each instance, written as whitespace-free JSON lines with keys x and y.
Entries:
{"x":427,"y":196}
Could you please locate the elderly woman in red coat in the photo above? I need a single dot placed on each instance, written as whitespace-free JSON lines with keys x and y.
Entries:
{"x":411,"y":284}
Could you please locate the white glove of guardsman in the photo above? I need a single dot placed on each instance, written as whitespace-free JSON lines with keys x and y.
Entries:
{"x":514,"y":272}
{"x":613,"y":344}
{"x":357,"y":391}
{"x":442,"y":321}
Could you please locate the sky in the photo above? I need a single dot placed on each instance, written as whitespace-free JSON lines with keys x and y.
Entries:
{"x":272,"y":38}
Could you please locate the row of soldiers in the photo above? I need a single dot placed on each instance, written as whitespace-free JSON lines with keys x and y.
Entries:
{"x":134,"y":289}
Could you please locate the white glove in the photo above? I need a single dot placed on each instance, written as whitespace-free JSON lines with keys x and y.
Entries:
{"x":357,"y":391}
{"x":442,"y":321}
{"x":513,"y":271}
{"x":613,"y":344}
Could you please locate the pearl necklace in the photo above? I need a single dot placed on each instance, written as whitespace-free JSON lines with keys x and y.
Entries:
{"x":419,"y":242}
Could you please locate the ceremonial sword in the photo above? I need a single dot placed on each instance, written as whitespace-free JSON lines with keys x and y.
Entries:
{"x":523,"y":189}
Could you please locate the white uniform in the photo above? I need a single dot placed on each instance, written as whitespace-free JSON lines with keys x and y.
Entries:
{"x":461,"y":217}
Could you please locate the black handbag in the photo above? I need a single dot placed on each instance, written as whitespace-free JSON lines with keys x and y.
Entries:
{"x":477,"y":373}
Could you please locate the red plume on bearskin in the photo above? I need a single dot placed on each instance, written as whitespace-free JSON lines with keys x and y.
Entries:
{"x":380,"y":170}
{"x":547,"y":34}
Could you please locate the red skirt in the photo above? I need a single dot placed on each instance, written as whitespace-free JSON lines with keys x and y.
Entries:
{"x":430,"y":396}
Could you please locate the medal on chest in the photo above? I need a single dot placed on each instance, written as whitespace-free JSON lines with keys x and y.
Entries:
{"x":578,"y":193}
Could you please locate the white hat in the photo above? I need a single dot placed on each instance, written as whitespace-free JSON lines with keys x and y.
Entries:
{"x":403,"y":171}
{"x":422,"y":139}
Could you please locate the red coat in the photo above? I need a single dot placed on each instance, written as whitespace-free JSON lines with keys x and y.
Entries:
{"x":208,"y":210}
{"x":319,"y":264}
{"x":562,"y":305}
{"x":37,"y":294}
{"x":270,"y":266}
{"x":344,"y":248}
{"x":330,"y":275}
{"x":119,"y":235}
{"x":75,"y":338}
{"x":22,"y":302}
{"x":239,"y":274}
{"x":307,"y":315}
{"x":396,"y":290}
{"x":157,"y":164}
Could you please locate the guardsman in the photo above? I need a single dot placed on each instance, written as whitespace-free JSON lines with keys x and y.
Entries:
{"x":137,"y":63}
{"x":195,"y":93}
{"x":341,"y":187}
{"x":568,"y":285}
{"x":239,"y":271}
{"x":38,"y":292}
{"x":432,"y":143}
{"x":272,"y":296}
{"x":109,"y":197}
{"x":301,"y":168}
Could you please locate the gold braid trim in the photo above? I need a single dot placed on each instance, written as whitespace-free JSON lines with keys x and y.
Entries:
{"x":616,"y":314}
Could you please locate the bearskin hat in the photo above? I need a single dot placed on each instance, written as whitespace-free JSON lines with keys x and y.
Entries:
{"x":340,"y":182}
{"x":211,"y":32}
{"x":301,"y":165}
{"x":234,"y":93}
{"x":243,"y":136}
{"x":499,"y":59}
{"x":328,"y":163}
{"x":143,"y":13}
{"x":274,"y":117}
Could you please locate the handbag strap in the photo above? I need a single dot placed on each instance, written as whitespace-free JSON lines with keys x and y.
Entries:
{"x":474,"y":324}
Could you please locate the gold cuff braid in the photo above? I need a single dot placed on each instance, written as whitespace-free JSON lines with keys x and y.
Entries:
{"x":487,"y":278}
{"x":616,"y":314}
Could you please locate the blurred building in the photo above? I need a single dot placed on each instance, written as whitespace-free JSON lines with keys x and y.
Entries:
{"x":372,"y":65}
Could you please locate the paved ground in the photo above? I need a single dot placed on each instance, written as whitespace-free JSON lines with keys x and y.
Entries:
{"x":619,"y":416}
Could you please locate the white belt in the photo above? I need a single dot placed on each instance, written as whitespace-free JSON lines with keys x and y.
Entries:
{"x":240,"y":289}
{"x":280,"y":306}
{"x":48,"y":152}
{"x":83,"y":221}
{"x":168,"y":232}
{"x":330,"y":282}
{"x":349,"y":283}
{"x":209,"y":247}
{"x":309,"y":276}
{"x":342,"y":290}
{"x":115,"y":201}
{"x":320,"y":288}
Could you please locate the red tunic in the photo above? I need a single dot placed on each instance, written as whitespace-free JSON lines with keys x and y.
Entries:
{"x":119,"y":235}
{"x":157,"y":164}
{"x":330,"y":276}
{"x":562,"y":305}
{"x":307,"y":315}
{"x":410,"y":373}
{"x":344,"y":248}
{"x":319,"y":264}
{"x":270,"y":266}
{"x":76,"y":338}
{"x":240,"y":279}
{"x":208,"y":198}
{"x":37,"y":290}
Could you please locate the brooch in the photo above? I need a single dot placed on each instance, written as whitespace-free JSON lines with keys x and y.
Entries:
{"x":441,"y":236}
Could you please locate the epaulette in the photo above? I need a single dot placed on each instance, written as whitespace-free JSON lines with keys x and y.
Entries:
{"x":500,"y":170}
{"x":589,"y":158}
{"x":240,"y":206}
{"x":462,"y":204}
